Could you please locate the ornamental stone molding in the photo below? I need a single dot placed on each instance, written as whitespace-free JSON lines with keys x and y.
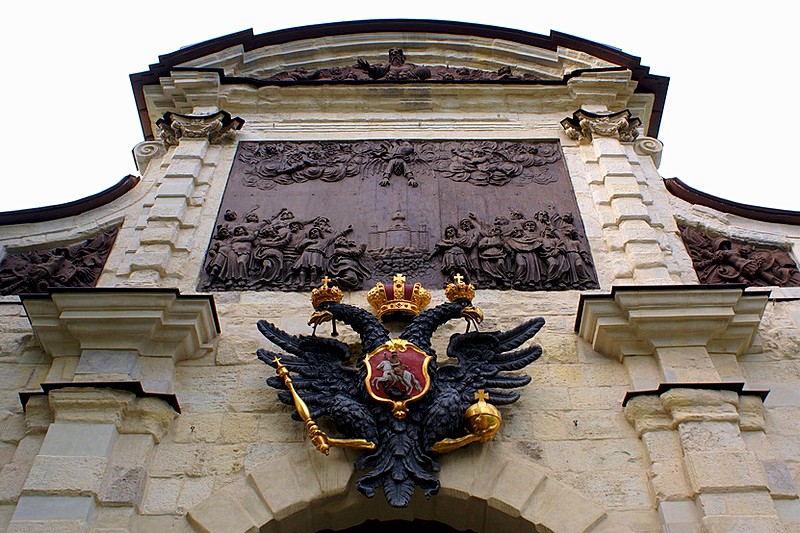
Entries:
{"x":681,"y":326}
{"x":127,"y":339}
{"x":584,"y":125}
{"x":145,"y":151}
{"x":215,"y":127}
{"x":649,"y":146}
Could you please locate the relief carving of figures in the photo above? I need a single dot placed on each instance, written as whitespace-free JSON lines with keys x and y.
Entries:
{"x":281,"y":252}
{"x":268,"y":164}
{"x":399,"y":248}
{"x":543,"y":252}
{"x":77,"y":265}
{"x":718,"y":259}
{"x":395,"y":69}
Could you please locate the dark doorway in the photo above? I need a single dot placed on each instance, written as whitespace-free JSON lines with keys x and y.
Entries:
{"x":400,"y":526}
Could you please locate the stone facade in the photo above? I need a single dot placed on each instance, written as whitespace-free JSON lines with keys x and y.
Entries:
{"x":659,"y":404}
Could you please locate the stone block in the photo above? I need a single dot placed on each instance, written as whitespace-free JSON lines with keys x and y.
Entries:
{"x":737,"y":503}
{"x":743,"y":524}
{"x":558,"y":508}
{"x":194,"y":491}
{"x":707,"y":436}
{"x":112,"y":365}
{"x":161,"y":495}
{"x":168,"y":209}
{"x":788,"y":510}
{"x":514,"y":486}
{"x":48,"y":526}
{"x":69,"y":475}
{"x":240,"y":427}
{"x":237,"y":351}
{"x":76,"y":439}
{"x":175,"y":187}
{"x":188,"y":167}
{"x":622,"y":186}
{"x":124,"y":485}
{"x":625,"y":208}
{"x":12,"y":479}
{"x":333,"y":472}
{"x":28,"y":448}
{"x":277,"y":483}
{"x":779,"y":478}
{"x":725,"y":471}
{"x":35,"y":507}
{"x":678,"y":512}
{"x":163,"y":233}
{"x":191,"y":148}
{"x":222,"y":514}
{"x":203,"y":427}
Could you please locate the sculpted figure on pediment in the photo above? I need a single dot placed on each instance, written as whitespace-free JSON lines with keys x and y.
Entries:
{"x":76,"y":265}
{"x":719,"y":259}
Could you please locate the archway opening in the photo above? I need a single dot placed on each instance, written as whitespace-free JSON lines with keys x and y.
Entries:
{"x":400,"y":526}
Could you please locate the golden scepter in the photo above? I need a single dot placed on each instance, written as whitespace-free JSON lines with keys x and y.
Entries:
{"x":318,"y":437}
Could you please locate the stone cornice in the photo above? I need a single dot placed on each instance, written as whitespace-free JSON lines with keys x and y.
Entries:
{"x":638,"y":320}
{"x":255,"y":53}
{"x":155,"y":323}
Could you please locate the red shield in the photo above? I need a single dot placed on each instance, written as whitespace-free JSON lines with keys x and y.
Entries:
{"x":397,"y":373}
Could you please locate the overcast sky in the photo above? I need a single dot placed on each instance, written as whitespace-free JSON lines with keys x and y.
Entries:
{"x":70,"y":118}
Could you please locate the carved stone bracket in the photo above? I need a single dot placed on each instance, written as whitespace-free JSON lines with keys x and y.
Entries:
{"x":126,"y":338}
{"x":584,"y":125}
{"x":214,"y":127}
{"x":682,"y":327}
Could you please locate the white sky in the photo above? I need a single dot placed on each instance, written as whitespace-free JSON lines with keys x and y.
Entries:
{"x":71,"y":119}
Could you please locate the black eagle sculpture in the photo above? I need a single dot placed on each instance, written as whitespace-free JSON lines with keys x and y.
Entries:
{"x":401,"y":450}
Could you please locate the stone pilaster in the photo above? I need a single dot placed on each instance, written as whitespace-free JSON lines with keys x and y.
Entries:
{"x":129,"y":338}
{"x":165,"y":232}
{"x":94,"y":454}
{"x":701,"y":470}
{"x":620,"y":194}
{"x":680,"y":347}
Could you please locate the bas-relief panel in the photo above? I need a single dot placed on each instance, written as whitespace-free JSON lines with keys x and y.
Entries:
{"x":500,"y":213}
{"x":76,"y":265}
{"x":718,"y":259}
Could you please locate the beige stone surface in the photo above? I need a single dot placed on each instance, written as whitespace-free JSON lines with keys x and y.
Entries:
{"x":568,"y":457}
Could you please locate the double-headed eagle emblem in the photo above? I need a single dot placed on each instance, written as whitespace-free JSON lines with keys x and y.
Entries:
{"x":396,"y":403}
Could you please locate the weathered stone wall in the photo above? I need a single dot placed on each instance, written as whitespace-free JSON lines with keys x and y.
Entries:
{"x":568,"y":457}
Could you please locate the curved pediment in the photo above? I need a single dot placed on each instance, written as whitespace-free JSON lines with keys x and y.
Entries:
{"x":432,"y":52}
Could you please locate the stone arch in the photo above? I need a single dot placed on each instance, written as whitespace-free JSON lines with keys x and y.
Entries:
{"x":482,"y":490}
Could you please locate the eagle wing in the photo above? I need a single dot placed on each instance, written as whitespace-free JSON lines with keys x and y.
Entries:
{"x":486,"y":361}
{"x":321,"y":376}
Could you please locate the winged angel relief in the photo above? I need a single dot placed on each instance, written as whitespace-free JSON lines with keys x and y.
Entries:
{"x":397,"y":404}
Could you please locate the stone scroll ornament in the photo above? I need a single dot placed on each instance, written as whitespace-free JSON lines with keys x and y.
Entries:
{"x":396,"y":404}
{"x":76,"y":265}
{"x":718,"y":259}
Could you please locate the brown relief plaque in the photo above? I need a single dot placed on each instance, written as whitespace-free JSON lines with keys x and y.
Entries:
{"x":501,"y":213}
{"x":76,"y":265}
{"x":718,"y":259}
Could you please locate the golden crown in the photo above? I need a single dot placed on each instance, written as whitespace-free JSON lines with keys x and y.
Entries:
{"x":459,"y":289}
{"x":401,"y":298}
{"x":326,"y":294}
